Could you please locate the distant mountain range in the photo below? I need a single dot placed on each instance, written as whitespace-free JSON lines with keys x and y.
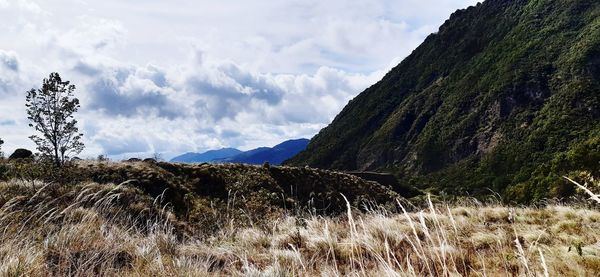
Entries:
{"x":274,"y":155}
{"x":207,"y":156}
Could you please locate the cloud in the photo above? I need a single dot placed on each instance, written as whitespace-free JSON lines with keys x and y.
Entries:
{"x":119,"y":145}
{"x":29,"y":6}
{"x":7,"y":122}
{"x":9,"y":72}
{"x":210,"y":105}
{"x":90,"y":35}
{"x":206,"y":104}
{"x":225,"y":90}
{"x":120,"y":91}
{"x":9,"y":60}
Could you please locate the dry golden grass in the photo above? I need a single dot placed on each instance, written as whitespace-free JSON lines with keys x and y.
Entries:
{"x":108,"y":230}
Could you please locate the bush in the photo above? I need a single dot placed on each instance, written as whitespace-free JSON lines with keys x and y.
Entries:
{"x":21,"y":154}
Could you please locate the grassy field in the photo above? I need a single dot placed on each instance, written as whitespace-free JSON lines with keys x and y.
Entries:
{"x":104,"y":229}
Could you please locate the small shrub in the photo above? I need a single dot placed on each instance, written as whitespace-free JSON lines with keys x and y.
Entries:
{"x":21,"y":154}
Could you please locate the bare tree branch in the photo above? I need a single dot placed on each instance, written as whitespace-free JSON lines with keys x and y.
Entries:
{"x":593,"y":196}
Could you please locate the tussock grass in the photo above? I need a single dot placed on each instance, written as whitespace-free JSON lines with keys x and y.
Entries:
{"x":117,"y":230}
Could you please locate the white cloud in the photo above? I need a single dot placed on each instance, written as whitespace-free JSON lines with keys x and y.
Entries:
{"x":209,"y":105}
{"x":90,"y":35}
{"x":187,"y":75}
{"x":9,"y":61}
{"x":25,"y":5}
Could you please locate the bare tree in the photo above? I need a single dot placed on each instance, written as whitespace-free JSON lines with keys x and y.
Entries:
{"x":50,"y":110}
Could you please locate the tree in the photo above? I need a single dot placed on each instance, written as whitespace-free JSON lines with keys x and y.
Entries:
{"x":51,"y":111}
{"x":1,"y":154}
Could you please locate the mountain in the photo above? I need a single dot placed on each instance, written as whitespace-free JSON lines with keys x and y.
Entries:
{"x":206,"y":156}
{"x":504,"y":97}
{"x":276,"y":155}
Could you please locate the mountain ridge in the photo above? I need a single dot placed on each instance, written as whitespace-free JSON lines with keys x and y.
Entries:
{"x":274,"y":155}
{"x":503,"y":97}
{"x":207,"y":156}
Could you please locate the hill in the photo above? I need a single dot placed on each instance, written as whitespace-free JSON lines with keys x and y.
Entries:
{"x":275,"y":155}
{"x":161,"y":219}
{"x":263,"y":190}
{"x":504,"y":97}
{"x":207,"y":156}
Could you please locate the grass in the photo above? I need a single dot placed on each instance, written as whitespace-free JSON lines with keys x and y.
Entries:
{"x":92,"y":229}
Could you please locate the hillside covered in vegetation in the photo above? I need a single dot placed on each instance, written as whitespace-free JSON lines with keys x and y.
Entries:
{"x":210,"y":195}
{"x":505,"y":97}
{"x":146,"y":219}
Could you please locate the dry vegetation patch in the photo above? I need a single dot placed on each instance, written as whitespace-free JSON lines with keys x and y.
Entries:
{"x":121,"y":220}
{"x":111,"y":230}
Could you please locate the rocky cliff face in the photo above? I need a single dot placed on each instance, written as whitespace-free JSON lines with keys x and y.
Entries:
{"x":505,"y":96}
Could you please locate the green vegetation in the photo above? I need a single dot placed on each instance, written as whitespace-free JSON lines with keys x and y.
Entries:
{"x":505,"y":97}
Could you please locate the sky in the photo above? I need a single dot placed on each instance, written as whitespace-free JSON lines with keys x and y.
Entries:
{"x":180,"y":76}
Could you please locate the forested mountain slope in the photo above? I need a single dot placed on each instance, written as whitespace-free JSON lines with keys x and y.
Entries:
{"x":505,"y":96}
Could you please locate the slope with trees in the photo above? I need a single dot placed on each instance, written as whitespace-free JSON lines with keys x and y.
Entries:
{"x":505,"y":96}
